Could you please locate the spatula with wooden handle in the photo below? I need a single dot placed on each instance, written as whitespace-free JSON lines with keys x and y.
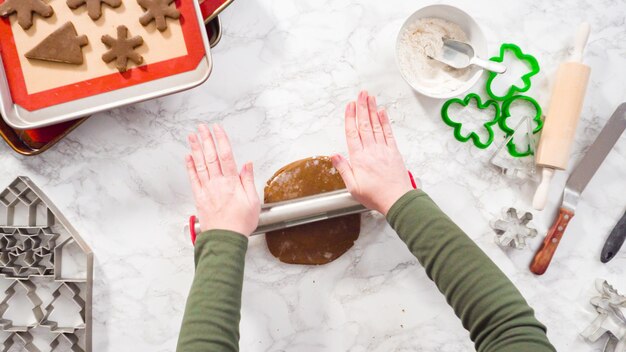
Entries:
{"x":575,"y":185}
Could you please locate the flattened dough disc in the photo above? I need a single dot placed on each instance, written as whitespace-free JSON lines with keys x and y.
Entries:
{"x":316,"y":243}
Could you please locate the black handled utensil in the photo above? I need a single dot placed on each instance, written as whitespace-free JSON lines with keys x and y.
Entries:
{"x":615,"y":241}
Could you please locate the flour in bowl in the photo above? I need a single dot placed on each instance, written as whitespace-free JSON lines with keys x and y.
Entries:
{"x":424,"y":38}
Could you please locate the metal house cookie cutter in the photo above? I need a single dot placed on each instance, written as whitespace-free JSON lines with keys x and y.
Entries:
{"x":39,"y":246}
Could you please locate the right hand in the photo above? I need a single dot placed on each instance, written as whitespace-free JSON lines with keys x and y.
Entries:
{"x":375,"y":175}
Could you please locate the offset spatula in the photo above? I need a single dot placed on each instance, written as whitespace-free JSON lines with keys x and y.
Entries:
{"x":576,"y":184}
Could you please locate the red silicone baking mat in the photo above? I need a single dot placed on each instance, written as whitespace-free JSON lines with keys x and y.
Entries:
{"x":26,"y":87}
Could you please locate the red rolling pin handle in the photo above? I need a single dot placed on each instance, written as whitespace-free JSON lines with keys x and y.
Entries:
{"x":192,"y":219}
{"x":544,"y":255}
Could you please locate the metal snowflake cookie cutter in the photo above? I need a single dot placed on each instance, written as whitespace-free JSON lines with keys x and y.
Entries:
{"x":38,"y":246}
{"x":610,"y":306}
{"x":457,"y":126}
{"x":529,"y":60}
{"x":9,"y":294}
{"x":513,"y":230}
{"x":71,"y":291}
{"x":23,"y":340}
{"x":510,"y":166}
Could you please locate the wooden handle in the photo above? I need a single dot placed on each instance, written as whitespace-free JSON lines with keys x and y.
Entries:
{"x":544,"y":255}
{"x":580,"y":42}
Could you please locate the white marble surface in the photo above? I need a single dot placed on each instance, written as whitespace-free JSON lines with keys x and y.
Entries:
{"x":283,"y":72}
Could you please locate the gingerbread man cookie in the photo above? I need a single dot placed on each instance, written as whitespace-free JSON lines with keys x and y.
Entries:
{"x":157,"y":11}
{"x":122,"y":49}
{"x":25,"y":10}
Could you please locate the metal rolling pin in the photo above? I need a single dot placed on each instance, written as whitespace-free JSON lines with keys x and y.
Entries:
{"x":300,"y":211}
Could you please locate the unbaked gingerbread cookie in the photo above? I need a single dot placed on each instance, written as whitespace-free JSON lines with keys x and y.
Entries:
{"x":157,"y":11}
{"x":122,"y":49}
{"x":64,"y":45}
{"x":94,"y":7}
{"x":25,"y":10}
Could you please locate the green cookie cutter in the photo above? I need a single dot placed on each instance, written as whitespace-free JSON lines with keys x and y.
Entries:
{"x":457,"y":126}
{"x":506,"y":106}
{"x":529,"y":59}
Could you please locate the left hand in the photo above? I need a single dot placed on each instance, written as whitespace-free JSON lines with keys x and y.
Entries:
{"x":225,"y":199}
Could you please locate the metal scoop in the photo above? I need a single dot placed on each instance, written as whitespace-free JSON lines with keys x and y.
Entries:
{"x":460,"y":55}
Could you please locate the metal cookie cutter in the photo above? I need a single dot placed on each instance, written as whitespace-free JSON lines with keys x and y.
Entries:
{"x":530,"y":61}
{"x":610,"y":306}
{"x":506,"y":113}
{"x":513,"y":230}
{"x":19,"y":341}
{"x":445,"y":115}
{"x":38,"y":246}
{"x":515,"y":167}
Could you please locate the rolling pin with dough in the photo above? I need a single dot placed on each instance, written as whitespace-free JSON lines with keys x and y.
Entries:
{"x":559,"y":129}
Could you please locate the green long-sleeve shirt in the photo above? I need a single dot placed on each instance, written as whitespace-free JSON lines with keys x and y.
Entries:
{"x":488,"y":304}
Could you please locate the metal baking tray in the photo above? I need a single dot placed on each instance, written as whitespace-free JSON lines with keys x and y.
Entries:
{"x":22,"y":142}
{"x":20,"y":118}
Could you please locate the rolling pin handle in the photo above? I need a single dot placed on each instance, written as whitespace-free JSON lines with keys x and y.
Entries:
{"x":541,"y":195}
{"x":192,"y":228}
{"x":581,"y":41}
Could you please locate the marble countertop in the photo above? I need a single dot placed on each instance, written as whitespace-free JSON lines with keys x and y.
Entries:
{"x":283,"y":73}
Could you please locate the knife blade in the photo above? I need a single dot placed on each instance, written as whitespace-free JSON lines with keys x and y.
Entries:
{"x":615,"y":241}
{"x":575,"y":185}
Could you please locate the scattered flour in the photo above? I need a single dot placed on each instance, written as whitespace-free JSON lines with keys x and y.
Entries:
{"x":424,"y":38}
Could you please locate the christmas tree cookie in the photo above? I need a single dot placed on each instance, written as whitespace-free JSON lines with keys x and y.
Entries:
{"x":63,"y":45}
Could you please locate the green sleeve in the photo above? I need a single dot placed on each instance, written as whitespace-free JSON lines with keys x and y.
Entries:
{"x":488,"y":304}
{"x":212,"y":314}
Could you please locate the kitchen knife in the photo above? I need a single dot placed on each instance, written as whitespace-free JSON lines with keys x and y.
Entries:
{"x":576,"y":184}
{"x":615,"y":241}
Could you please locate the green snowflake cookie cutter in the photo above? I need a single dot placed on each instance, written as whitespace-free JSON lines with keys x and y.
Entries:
{"x":457,"y":126}
{"x":506,"y":106}
{"x":531,"y":63}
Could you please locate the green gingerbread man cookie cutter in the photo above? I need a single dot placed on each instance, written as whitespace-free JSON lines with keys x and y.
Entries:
{"x":506,"y":113}
{"x":472,"y":135}
{"x":531,"y":63}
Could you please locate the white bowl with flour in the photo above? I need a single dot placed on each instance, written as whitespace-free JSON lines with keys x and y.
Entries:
{"x":422,"y":35}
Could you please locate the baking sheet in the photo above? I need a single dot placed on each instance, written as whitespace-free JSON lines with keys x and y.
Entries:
{"x":35,"y":84}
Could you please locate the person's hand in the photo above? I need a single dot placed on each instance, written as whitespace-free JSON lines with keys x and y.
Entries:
{"x":225,"y":199}
{"x":375,"y":175}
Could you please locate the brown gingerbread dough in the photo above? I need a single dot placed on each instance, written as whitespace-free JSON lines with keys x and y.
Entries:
{"x":94,"y":7}
{"x":316,"y":243}
{"x":122,"y":49}
{"x":63,"y":45}
{"x":25,"y":10}
{"x":157,"y":11}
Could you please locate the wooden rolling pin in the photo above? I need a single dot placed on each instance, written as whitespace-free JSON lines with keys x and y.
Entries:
{"x":559,"y":129}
